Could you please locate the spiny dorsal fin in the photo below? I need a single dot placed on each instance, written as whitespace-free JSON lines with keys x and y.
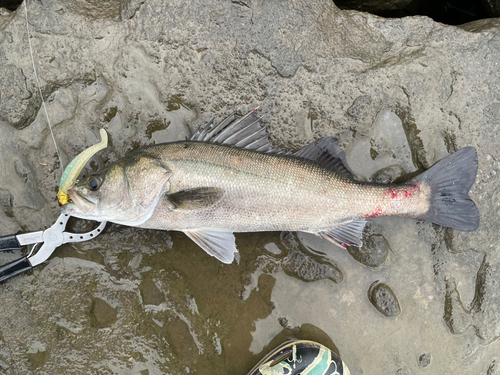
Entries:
{"x":191,"y":199}
{"x":327,"y":153}
{"x":218,"y":244}
{"x":244,"y":131}
{"x":350,"y":234}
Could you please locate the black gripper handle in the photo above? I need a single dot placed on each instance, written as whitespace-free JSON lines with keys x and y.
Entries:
{"x":9,"y":243}
{"x":14,"y":268}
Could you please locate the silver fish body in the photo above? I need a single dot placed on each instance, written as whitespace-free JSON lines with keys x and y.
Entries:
{"x":265,"y":192}
{"x":228,"y":178}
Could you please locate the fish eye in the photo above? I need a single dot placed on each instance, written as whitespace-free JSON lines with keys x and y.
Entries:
{"x":94,"y":182}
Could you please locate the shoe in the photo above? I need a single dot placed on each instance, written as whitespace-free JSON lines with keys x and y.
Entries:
{"x":297,"y":357}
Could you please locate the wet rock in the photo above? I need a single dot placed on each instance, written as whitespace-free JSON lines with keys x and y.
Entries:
{"x":384,"y":299}
{"x":483,"y":313}
{"x":16,"y":175}
{"x":5,"y":357}
{"x":180,"y":337}
{"x":455,"y":317}
{"x":494,"y":367}
{"x":273,"y":249}
{"x":8,"y":224}
{"x":388,"y":175}
{"x":38,"y":359}
{"x":304,"y":267}
{"x":360,"y":106}
{"x":387,"y":147}
{"x":314,"y":71}
{"x":389,"y":136}
{"x":424,"y":360}
{"x":97,"y":10}
{"x":103,"y":315}
{"x":373,"y":252}
{"x":239,"y":338}
{"x":15,"y":105}
{"x":283,"y":322}
{"x":484,"y":25}
{"x":151,"y":295}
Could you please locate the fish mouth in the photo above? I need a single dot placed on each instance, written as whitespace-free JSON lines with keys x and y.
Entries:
{"x":84,"y":204}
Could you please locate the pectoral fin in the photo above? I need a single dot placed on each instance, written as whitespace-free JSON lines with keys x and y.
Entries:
{"x":191,"y":199}
{"x":346,"y":235}
{"x":218,"y":244}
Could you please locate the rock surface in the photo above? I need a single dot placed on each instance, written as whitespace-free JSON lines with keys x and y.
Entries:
{"x":398,"y":94}
{"x":384,"y":299}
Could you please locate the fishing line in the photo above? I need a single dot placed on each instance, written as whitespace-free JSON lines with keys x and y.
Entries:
{"x":38,"y":85}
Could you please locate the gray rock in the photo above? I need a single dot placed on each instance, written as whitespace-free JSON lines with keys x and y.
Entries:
{"x":306,"y":268}
{"x":399,"y":94}
{"x":373,"y":252}
{"x":494,"y":367}
{"x":17,"y":181}
{"x":15,"y":107}
{"x":424,"y":360}
{"x":384,"y":300}
{"x":482,"y":314}
{"x":481,"y":26}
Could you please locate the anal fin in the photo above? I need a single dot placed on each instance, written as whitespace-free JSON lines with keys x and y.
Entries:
{"x":218,"y":244}
{"x":350,"y":234}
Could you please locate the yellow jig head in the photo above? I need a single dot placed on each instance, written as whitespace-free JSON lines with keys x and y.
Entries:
{"x":74,"y":168}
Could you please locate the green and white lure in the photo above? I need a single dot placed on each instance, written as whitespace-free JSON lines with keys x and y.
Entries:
{"x":74,"y":168}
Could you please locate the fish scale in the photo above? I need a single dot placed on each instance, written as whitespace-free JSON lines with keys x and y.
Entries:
{"x":283,"y":192}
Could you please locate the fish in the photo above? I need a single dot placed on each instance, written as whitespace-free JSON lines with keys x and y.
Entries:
{"x":229,"y":177}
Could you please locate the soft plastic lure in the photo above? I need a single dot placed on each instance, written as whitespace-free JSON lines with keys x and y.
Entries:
{"x":74,"y":168}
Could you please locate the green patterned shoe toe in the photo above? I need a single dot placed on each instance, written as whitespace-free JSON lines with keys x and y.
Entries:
{"x":300,"y":357}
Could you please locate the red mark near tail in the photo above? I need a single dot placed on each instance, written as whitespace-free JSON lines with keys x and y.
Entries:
{"x":393,"y":193}
{"x":407,"y":193}
{"x":377,"y":212}
{"x":403,"y":192}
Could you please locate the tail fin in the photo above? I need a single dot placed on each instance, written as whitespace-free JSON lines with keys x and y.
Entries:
{"x":450,"y":180}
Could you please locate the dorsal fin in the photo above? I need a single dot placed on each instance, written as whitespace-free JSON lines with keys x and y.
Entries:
{"x":244,"y":131}
{"x":327,"y":153}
